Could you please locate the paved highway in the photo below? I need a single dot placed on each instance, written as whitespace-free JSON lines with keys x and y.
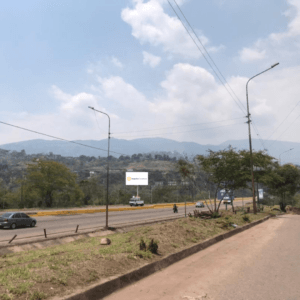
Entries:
{"x":87,"y":222}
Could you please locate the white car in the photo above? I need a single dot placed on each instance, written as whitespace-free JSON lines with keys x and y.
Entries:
{"x":136,"y":201}
{"x":200,"y":204}
{"x":226,"y":200}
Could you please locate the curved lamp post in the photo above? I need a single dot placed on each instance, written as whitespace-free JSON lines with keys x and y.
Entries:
{"x":282,"y":153}
{"x":249,"y":132}
{"x":107,"y":182}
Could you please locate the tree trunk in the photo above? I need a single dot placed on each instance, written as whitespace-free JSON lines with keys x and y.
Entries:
{"x":48,"y":199}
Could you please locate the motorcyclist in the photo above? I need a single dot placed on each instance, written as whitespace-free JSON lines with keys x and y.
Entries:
{"x":175,"y":210}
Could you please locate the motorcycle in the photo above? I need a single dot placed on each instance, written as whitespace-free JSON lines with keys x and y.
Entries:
{"x":175,"y":209}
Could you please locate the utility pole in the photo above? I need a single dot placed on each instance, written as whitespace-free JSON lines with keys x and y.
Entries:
{"x":250,"y":140}
{"x":107,"y":180}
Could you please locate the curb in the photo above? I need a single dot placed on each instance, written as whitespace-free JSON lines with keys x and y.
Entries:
{"x":91,"y":211}
{"x":106,"y":288}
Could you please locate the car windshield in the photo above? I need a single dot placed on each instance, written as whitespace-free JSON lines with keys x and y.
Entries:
{"x":6,"y":215}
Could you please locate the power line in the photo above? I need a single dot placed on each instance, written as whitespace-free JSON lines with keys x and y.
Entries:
{"x":58,"y":138}
{"x":209,"y":56}
{"x":177,"y":126}
{"x":283,"y":120}
{"x":285,"y":130}
{"x":241,"y":108}
{"x":213,"y":63}
{"x":185,"y":131}
{"x":259,"y":137}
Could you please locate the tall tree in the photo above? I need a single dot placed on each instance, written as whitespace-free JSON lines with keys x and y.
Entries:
{"x":51,"y":178}
{"x":226,"y":169}
{"x":284,"y":182}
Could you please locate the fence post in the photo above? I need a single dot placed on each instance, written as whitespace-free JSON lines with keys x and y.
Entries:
{"x":12,"y":239}
{"x":45,"y":233}
{"x":76,"y":228}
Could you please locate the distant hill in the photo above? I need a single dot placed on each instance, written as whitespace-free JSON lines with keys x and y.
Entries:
{"x":147,"y":145}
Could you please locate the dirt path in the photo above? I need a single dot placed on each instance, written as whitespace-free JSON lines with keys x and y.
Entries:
{"x":260,"y":263}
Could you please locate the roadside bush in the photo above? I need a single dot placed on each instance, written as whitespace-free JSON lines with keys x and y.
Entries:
{"x":215,"y":215}
{"x":152,"y":246}
{"x":246,"y":218}
{"x":143,"y":245}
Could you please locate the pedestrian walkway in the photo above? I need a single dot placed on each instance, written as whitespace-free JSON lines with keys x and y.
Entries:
{"x":258,"y":264}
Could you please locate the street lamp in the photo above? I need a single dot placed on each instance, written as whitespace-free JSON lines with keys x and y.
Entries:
{"x":249,"y":132}
{"x":107,"y":182}
{"x":282,"y":153}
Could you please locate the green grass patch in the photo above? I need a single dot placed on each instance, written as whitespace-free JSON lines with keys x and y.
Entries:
{"x":44,"y":273}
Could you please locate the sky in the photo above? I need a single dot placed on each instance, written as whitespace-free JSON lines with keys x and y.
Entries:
{"x":135,"y":61}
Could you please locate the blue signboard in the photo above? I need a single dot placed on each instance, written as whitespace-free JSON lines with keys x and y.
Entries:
{"x":222,"y":194}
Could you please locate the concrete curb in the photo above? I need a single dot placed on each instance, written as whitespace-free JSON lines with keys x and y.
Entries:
{"x":99,"y":291}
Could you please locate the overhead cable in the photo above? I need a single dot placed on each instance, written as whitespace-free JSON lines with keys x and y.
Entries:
{"x":57,"y":138}
{"x":285,"y":130}
{"x":283,"y":120}
{"x":210,"y":56}
{"x":239,"y":101}
{"x":242,"y":108}
{"x":177,"y":126}
{"x":168,"y":133}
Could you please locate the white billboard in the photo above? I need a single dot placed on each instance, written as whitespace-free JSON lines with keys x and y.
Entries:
{"x":261,"y":194}
{"x":136,"y":178}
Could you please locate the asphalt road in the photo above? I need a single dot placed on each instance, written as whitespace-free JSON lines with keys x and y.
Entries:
{"x":261,"y":263}
{"x":68,"y":223}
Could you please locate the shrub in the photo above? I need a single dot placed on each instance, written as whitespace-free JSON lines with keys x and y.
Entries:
{"x":246,"y":218}
{"x":143,"y":245}
{"x":215,"y":215}
{"x":37,"y":296}
{"x":153,"y":246}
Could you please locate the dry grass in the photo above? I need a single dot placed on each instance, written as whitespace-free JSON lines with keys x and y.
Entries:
{"x":58,"y":270}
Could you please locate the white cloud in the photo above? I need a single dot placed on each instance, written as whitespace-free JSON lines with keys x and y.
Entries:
{"x":150,"y":59}
{"x":189,"y":95}
{"x":249,"y":55}
{"x":116,"y":62}
{"x":278,"y":46}
{"x":150,"y":24}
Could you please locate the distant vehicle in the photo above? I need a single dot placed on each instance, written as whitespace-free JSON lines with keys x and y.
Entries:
{"x":200,"y":204}
{"x":16,"y":219}
{"x":226,"y":200}
{"x":136,"y":201}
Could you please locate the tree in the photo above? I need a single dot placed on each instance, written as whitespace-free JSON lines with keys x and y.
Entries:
{"x":226,"y":169}
{"x":285,"y":182}
{"x":51,"y":179}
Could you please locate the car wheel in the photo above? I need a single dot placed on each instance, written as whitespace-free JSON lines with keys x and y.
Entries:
{"x":32,"y":224}
{"x":13,"y":226}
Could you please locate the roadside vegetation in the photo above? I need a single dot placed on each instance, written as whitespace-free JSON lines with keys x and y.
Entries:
{"x":59,"y":270}
{"x":229,"y":170}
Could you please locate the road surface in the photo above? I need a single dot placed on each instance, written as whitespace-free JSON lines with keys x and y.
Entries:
{"x":260,"y":263}
{"x":68,"y":223}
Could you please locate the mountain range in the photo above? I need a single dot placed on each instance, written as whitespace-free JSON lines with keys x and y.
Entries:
{"x":149,"y":145}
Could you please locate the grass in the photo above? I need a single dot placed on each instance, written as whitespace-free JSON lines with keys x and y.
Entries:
{"x":58,"y":270}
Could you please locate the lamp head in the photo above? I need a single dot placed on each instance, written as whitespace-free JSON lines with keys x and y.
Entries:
{"x":274,"y":65}
{"x":91,"y":107}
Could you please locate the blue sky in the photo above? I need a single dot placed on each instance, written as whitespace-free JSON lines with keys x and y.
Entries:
{"x":134,"y":60}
